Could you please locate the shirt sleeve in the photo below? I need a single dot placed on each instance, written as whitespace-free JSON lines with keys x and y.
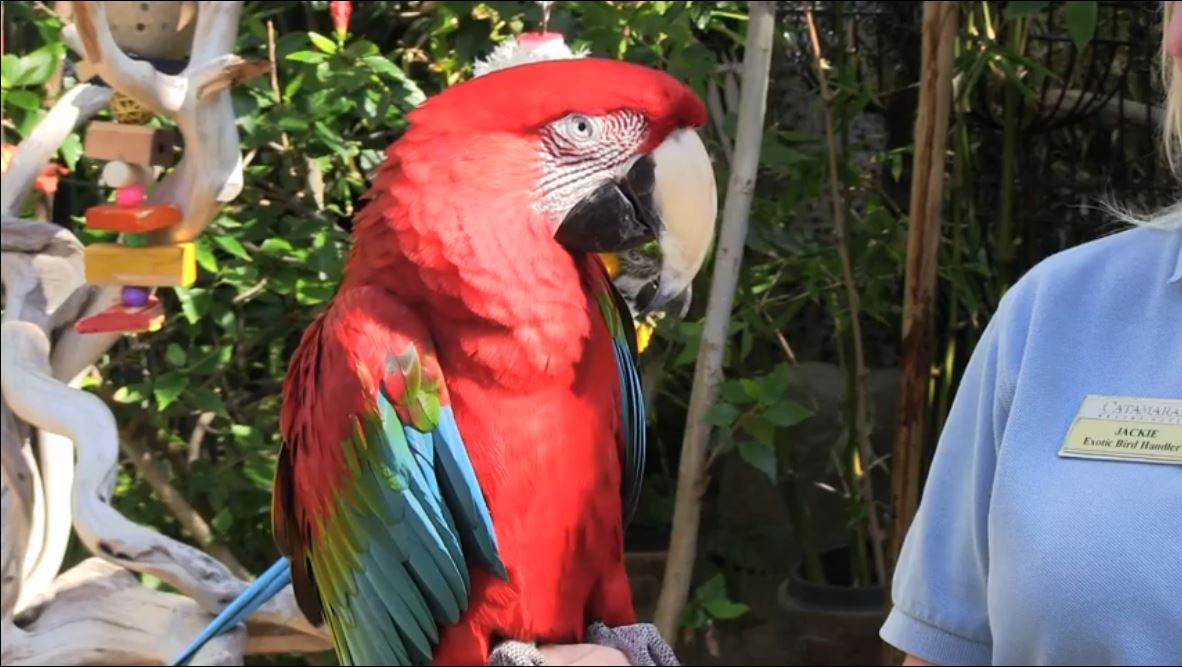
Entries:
{"x":939,"y":585}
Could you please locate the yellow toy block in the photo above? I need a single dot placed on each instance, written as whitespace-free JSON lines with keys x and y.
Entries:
{"x":152,"y":266}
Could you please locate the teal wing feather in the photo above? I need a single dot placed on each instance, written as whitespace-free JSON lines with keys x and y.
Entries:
{"x":633,"y":443}
{"x":383,"y":556}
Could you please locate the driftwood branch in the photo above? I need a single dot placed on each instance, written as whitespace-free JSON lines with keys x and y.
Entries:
{"x":708,"y":371}
{"x":112,"y":619}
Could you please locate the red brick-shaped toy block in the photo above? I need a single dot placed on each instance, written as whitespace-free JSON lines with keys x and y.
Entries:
{"x":124,"y":319}
{"x":134,"y":219}
{"x":134,"y":144}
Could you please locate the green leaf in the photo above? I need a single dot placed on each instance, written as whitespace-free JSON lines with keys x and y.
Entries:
{"x":71,"y":151}
{"x":223,"y":520}
{"x":759,"y":428}
{"x":292,"y":123}
{"x":261,"y":473}
{"x":725,"y":610}
{"x":36,"y":67}
{"x":232,"y":246}
{"x":10,"y":69}
{"x":713,"y":588}
{"x":761,"y":457}
{"x":205,"y":256}
{"x":23,"y":99}
{"x":276,"y":246}
{"x":129,"y":394}
{"x":168,"y":387}
{"x":414,"y":95}
{"x":195,"y":302}
{"x":206,"y":400}
{"x":786,"y":413}
{"x":722,"y":415}
{"x":751,"y":387}
{"x":360,"y":48}
{"x":310,"y":293}
{"x":307,"y":57}
{"x":323,"y":43}
{"x":1019,"y":9}
{"x":246,"y":435}
{"x":175,"y":354}
{"x":733,"y":392}
{"x":775,"y":384}
{"x":1081,"y":21}
{"x":382,"y":65}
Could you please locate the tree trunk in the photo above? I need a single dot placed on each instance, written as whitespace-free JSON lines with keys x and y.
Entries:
{"x":691,"y":477}
{"x":923,"y":243}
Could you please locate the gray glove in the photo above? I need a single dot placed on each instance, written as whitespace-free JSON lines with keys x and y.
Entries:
{"x":641,"y":644}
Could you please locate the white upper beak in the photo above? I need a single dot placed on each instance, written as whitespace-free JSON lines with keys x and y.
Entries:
{"x":686,"y":198}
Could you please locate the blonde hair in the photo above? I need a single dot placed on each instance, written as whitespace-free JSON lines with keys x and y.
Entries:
{"x":1172,"y":84}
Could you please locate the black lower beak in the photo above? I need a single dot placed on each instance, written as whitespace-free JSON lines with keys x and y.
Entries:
{"x":617,"y":216}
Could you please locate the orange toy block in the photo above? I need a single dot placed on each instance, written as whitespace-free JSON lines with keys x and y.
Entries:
{"x":133,"y":219}
{"x":151,"y":266}
{"x":133,"y":144}
{"x":124,"y":319}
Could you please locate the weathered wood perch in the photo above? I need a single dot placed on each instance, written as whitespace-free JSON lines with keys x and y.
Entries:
{"x":112,"y":619}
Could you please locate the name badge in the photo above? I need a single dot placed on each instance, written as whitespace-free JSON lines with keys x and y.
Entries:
{"x":1148,"y":430}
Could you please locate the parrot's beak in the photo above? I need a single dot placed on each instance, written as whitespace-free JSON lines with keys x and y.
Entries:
{"x":668,"y":196}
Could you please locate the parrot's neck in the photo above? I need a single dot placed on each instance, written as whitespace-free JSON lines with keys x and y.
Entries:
{"x":501,"y":297}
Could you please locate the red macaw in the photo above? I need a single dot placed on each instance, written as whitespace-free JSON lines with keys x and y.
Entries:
{"x":464,"y":427}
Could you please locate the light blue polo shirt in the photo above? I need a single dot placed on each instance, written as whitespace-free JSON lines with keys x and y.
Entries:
{"x":1018,"y":555}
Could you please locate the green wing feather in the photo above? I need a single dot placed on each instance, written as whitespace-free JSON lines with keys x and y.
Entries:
{"x":633,"y":444}
{"x":386,"y":563}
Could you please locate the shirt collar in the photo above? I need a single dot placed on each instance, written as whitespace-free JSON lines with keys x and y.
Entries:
{"x":1173,"y":222}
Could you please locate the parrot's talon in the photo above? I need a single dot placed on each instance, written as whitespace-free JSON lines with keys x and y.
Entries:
{"x":640,"y":643}
{"x":516,"y":653}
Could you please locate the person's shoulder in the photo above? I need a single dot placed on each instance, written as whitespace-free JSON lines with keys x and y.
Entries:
{"x":1122,"y":267}
{"x":1130,"y":253}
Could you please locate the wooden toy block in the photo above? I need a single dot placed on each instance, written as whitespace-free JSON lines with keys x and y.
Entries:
{"x":132,"y":220}
{"x":124,"y":319}
{"x":134,"y":144}
{"x":151,"y":266}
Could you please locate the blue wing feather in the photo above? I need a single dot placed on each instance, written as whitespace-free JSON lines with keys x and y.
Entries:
{"x":388,"y":564}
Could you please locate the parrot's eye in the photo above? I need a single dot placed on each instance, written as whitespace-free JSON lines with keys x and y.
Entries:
{"x":580,"y":128}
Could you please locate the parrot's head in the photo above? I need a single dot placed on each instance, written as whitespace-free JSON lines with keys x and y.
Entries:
{"x":607,"y":154}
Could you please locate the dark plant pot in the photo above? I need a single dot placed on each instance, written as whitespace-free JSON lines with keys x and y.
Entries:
{"x":832,"y":623}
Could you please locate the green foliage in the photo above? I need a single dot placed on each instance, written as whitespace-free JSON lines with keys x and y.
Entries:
{"x":710,"y":602}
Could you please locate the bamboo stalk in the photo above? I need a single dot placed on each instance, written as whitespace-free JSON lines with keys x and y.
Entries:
{"x":860,"y":395}
{"x":931,"y":130}
{"x":687,"y":507}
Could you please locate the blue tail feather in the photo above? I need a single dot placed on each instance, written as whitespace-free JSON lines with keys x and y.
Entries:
{"x":256,"y":595}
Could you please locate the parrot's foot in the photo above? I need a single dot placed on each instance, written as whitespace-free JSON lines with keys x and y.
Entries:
{"x":516,"y":653}
{"x":640,"y":643}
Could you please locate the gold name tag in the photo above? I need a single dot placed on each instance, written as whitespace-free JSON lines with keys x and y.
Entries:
{"x":1148,"y":430}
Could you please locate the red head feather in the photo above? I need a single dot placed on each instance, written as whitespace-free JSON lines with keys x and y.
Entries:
{"x":523,"y":98}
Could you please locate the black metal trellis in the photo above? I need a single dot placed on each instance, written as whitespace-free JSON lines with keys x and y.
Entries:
{"x":1088,"y":134}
